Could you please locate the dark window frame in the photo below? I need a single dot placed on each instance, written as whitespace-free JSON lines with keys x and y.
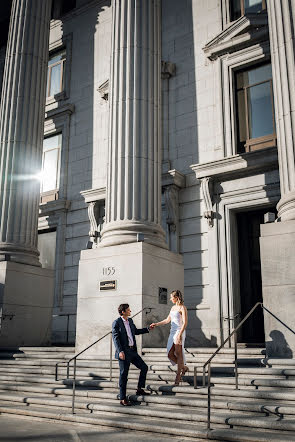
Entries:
{"x":62,"y":62}
{"x":242,"y":7}
{"x":52,"y":195}
{"x":252,"y":144}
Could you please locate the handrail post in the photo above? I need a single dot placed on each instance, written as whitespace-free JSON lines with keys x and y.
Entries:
{"x":74,"y":388}
{"x":236,"y":360}
{"x":195,"y":377}
{"x":209,"y":397}
{"x":204,"y":375}
{"x":56,"y":371}
{"x":111,"y":356}
{"x":68,"y":370}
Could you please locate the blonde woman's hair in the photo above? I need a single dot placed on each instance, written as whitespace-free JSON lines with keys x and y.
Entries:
{"x":177,"y":294}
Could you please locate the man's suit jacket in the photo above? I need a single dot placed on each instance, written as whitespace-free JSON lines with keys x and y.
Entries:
{"x":120,"y":336}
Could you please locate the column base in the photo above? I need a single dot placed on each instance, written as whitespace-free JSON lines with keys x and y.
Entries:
{"x":26,"y":302}
{"x":10,"y":252}
{"x":286,"y":207}
{"x":137,"y":271}
{"x":125,"y":232}
{"x":277,"y":245}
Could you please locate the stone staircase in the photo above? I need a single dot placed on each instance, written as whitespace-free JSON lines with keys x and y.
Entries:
{"x":263,"y":409}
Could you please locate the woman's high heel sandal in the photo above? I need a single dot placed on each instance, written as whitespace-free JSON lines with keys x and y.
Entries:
{"x":184,"y":370}
{"x":178,"y":379}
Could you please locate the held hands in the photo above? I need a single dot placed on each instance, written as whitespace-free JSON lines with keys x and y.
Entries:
{"x":122,"y":355}
{"x":152,"y":326}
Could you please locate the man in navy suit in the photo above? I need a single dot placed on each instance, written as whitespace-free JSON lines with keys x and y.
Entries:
{"x":124,"y":332}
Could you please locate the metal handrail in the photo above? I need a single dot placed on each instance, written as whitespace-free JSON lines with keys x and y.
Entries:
{"x":208,"y":363}
{"x":74,"y":358}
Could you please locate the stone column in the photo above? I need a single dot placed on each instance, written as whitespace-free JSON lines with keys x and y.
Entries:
{"x":281,"y":14}
{"x":134,"y":169}
{"x":21,"y":129}
{"x":277,"y":240}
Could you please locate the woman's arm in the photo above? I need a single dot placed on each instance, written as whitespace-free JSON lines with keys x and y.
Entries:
{"x":183,"y":310}
{"x":164,"y":322}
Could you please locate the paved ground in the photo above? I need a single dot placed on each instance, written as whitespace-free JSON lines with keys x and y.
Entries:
{"x":15,"y":429}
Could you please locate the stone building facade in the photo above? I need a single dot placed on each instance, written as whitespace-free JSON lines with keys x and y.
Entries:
{"x":224,"y":88}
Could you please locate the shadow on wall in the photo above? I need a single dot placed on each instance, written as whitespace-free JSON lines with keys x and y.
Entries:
{"x":278,"y":347}
{"x":198,"y":339}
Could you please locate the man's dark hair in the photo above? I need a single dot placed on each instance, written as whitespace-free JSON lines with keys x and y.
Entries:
{"x":122,"y":308}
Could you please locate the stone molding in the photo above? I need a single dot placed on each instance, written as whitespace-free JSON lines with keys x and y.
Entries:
{"x":228,"y":203}
{"x":175,"y":177}
{"x":233,"y":166}
{"x":51,"y":207}
{"x":103,"y":90}
{"x":91,"y":195}
{"x":245,"y":31}
{"x":205,"y":187}
{"x":168,"y":70}
{"x":226,"y":67}
{"x":57,"y":110}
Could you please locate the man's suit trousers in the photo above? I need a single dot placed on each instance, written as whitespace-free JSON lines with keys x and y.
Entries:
{"x":131,"y":357}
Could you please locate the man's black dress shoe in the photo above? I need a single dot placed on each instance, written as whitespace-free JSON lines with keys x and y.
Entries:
{"x":125,"y":403}
{"x":141,"y":392}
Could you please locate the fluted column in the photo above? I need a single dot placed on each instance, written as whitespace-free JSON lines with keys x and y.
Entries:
{"x":134,"y":167}
{"x":21,"y":129}
{"x":281,"y":15}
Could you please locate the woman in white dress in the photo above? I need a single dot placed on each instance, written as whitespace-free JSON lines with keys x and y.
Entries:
{"x":175,"y":344}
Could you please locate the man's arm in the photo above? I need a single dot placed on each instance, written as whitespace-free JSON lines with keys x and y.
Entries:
{"x":139,"y":331}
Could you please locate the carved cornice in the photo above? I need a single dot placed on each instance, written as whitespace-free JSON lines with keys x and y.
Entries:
{"x":168,"y":70}
{"x":56,"y":110}
{"x":173,"y":177}
{"x":245,"y":31}
{"x":92,"y":195}
{"x":103,"y":90}
{"x":52,"y":207}
{"x":234,"y":166}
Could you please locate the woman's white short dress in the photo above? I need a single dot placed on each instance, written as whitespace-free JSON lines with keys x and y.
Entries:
{"x":176,"y":324}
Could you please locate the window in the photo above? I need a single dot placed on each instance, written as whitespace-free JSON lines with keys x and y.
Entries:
{"x":67,"y":6}
{"x":50,"y":168}
{"x":242,"y":7}
{"x":255,"y":109}
{"x":56,"y":73}
{"x":61,"y":7}
{"x":47,"y":247}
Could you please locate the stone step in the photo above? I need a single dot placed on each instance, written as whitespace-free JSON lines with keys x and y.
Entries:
{"x":207,"y":351}
{"x":188,"y":391}
{"x":69,"y":349}
{"x":265,"y":408}
{"x":39,"y":355}
{"x":244,"y":380}
{"x":165,"y":376}
{"x":162,"y":426}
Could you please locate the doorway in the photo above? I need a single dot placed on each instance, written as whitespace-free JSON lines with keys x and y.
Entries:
{"x":248,"y":232}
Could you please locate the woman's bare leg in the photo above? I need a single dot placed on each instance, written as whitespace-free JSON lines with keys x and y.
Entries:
{"x":171,"y":354}
{"x":179,"y":356}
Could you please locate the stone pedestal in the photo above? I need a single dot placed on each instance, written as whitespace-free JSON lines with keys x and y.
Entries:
{"x":26,"y":300}
{"x":138,"y":271}
{"x":277,"y":245}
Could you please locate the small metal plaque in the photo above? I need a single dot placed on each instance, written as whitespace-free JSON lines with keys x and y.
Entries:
{"x":107,"y":285}
{"x":162,"y":295}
